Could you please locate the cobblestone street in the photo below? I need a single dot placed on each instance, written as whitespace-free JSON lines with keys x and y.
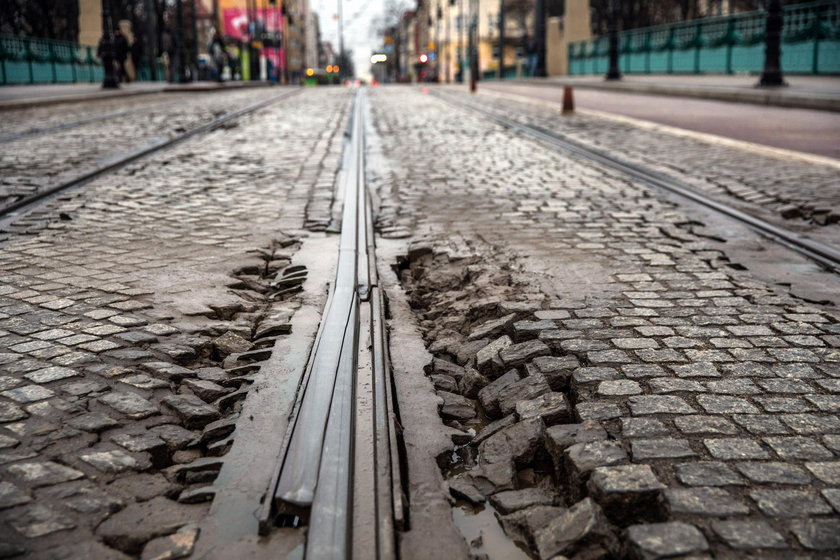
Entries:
{"x":115,"y":319}
{"x":798,"y":191}
{"x":604,"y":351}
{"x":31,"y":163}
{"x":583,"y":366}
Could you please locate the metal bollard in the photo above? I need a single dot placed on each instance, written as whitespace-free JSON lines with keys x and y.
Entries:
{"x":568,"y":101}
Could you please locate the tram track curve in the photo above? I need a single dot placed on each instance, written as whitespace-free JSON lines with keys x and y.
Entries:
{"x":24,"y":203}
{"x":824,"y":255}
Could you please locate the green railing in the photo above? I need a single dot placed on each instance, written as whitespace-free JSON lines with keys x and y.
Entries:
{"x":28,"y":60}
{"x":508,"y":73}
{"x":728,"y":44}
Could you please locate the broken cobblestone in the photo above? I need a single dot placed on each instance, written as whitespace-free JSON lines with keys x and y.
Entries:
{"x":672,"y":340}
{"x":102,"y":319}
{"x":629,"y":492}
{"x":664,"y":540}
{"x":581,"y":527}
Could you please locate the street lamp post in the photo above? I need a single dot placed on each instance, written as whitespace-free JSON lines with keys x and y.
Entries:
{"x":438,"y":17}
{"x":280,"y":75}
{"x":194,"y":41}
{"x":448,"y":42}
{"x":342,"y":68}
{"x":151,"y":37}
{"x":253,"y":31}
{"x":460,"y":53}
{"x":473,"y":46}
{"x":613,"y":73}
{"x":501,"y":70}
{"x":180,"y":54}
{"x":772,"y":75}
{"x":539,"y":32}
{"x":109,"y":80}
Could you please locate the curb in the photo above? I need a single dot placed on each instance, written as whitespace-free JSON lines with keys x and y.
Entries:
{"x":199,"y":87}
{"x":195,"y":87}
{"x":776,"y":98}
{"x":29,"y":103}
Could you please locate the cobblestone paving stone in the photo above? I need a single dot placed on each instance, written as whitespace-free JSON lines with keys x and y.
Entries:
{"x":804,"y":193}
{"x":125,"y":326}
{"x":39,"y":117}
{"x":36,"y":162}
{"x":684,"y":407}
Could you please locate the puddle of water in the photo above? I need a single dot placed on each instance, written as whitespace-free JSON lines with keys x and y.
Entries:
{"x":480,"y":521}
{"x":461,"y":460}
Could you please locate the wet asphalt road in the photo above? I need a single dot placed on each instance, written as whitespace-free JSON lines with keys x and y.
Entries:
{"x":815,"y":132}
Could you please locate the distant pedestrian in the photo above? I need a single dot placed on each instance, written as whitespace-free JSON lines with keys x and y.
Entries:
{"x":531,"y":49}
{"x":120,"y":54}
{"x":167,"y":48}
{"x":216,"y":48}
{"x":137,"y":55}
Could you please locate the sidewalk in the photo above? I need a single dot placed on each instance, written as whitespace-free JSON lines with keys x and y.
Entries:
{"x":804,"y":92}
{"x":19,"y":97}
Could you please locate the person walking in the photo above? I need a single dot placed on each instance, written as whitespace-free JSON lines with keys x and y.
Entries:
{"x":216,"y":48}
{"x":120,"y":54}
{"x":531,"y":50}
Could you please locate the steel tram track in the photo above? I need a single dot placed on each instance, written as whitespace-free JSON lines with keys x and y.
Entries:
{"x":826,"y":256}
{"x":26,"y":203}
{"x":338,"y":471}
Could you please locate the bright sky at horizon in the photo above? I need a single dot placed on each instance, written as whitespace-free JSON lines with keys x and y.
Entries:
{"x":360,"y":33}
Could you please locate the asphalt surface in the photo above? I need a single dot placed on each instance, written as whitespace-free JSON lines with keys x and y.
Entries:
{"x":815,"y":132}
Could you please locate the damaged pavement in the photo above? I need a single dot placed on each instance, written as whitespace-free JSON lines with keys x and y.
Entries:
{"x":582,"y":367}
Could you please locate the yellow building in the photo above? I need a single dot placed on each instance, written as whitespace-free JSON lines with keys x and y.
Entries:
{"x":451,"y":33}
{"x":454,"y":29}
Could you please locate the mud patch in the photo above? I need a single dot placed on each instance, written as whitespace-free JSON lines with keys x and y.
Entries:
{"x":199,"y":373}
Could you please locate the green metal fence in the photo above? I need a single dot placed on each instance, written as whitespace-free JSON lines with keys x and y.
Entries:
{"x":728,"y":44}
{"x":508,"y":73}
{"x":29,"y":60}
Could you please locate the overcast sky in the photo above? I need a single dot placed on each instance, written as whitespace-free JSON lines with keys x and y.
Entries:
{"x":359,"y":31}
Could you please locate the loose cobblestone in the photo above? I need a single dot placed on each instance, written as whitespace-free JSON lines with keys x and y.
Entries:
{"x":713,"y":381}
{"x":110,"y":300}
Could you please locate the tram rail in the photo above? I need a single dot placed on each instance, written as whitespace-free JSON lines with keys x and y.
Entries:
{"x":20,"y":135}
{"x":25,"y":203}
{"x":338,"y":471}
{"x":826,"y":256}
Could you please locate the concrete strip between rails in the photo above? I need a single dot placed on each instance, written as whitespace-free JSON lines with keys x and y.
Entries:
{"x":319,"y":468}
{"x":337,"y":470}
